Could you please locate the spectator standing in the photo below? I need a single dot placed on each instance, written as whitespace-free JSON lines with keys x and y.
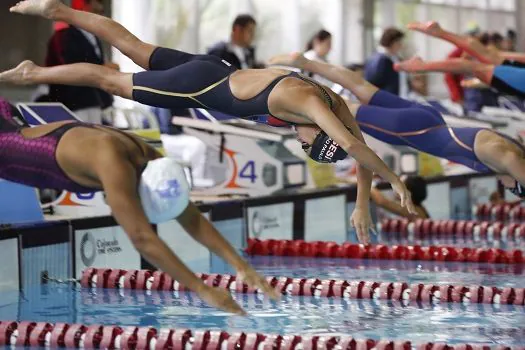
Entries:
{"x":379,"y":69}
{"x":239,"y":50}
{"x":453,"y":81}
{"x":72,"y":45}
{"x":317,"y":49}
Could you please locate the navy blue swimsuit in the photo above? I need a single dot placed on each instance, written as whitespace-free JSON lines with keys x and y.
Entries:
{"x":396,"y":121}
{"x":178,"y":79}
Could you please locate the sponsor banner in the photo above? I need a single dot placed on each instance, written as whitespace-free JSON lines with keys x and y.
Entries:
{"x":325,"y":219}
{"x":271,"y":221}
{"x":9,"y":264}
{"x":438,"y":201}
{"x":196,"y":256}
{"x":480,"y":189}
{"x":104,"y":247}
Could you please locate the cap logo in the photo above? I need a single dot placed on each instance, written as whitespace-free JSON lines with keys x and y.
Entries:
{"x":171,"y":189}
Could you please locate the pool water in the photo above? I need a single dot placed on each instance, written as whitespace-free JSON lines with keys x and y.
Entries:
{"x":494,"y":275}
{"x":447,"y":322}
{"x":376,"y":319}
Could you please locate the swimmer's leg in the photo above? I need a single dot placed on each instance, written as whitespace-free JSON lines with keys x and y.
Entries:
{"x":397,"y":126}
{"x":471,"y":45}
{"x":483,"y":72}
{"x":102,"y":27}
{"x":79,"y":74}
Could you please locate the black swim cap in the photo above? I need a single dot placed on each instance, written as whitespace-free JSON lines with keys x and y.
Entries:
{"x":518,"y":190}
{"x":326,"y":150}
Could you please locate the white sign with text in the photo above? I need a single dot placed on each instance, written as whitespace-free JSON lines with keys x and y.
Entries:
{"x":104,"y":247}
{"x":271,"y":221}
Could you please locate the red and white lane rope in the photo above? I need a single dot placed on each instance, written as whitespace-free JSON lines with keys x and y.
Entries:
{"x":78,"y":336}
{"x":318,"y":249}
{"x":503,"y":212}
{"x":328,"y":288}
{"x":451,"y":230}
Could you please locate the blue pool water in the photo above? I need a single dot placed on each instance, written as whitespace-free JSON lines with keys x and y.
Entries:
{"x":451,"y":323}
{"x":447,"y":322}
{"x":497,"y":275}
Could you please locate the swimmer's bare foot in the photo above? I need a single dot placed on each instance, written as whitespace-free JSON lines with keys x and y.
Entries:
{"x":431,"y":28}
{"x":19,"y":75}
{"x":295,"y":59}
{"x":413,"y":65}
{"x":43,"y":8}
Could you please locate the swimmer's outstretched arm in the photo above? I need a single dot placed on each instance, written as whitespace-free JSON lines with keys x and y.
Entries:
{"x":348,"y":79}
{"x":319,"y":113}
{"x":121,"y":194}
{"x":360,"y":218}
{"x":482,"y":71}
{"x":102,"y":27}
{"x":471,"y":45}
{"x":206,"y":234}
{"x":391,"y":205}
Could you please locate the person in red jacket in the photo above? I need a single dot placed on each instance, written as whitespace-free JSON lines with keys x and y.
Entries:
{"x":452,"y":80}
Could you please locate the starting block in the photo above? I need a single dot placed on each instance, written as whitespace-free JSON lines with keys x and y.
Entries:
{"x":19,"y":204}
{"x":244,"y":157}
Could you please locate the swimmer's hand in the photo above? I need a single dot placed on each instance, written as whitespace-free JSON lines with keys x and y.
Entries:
{"x":252,"y":278}
{"x":473,"y":83}
{"x":362,"y":222}
{"x":431,"y":28}
{"x":295,"y":59}
{"x":219,"y":298}
{"x":405,"y":196}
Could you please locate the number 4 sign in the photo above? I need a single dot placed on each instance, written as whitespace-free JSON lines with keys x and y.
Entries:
{"x":248,"y":171}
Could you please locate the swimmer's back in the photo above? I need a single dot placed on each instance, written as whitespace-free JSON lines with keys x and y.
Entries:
{"x":82,"y":147}
{"x":67,"y":155}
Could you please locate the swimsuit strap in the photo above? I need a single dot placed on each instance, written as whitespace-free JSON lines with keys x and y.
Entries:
{"x":321,"y":88}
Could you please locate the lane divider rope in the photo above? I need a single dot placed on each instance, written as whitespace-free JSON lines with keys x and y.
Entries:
{"x":504,"y":212}
{"x":79,"y":336}
{"x":328,"y":288}
{"x":320,"y":249}
{"x":451,"y":230}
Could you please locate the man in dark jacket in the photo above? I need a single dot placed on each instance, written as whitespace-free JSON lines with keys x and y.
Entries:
{"x":238,"y":51}
{"x":379,"y":69}
{"x":72,"y":45}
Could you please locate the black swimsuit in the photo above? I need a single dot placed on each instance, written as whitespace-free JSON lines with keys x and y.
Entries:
{"x":178,"y":79}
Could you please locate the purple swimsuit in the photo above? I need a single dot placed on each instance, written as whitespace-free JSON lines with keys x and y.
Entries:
{"x":32,"y":162}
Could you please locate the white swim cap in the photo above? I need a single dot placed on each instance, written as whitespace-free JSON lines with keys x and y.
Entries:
{"x":163,"y":189}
